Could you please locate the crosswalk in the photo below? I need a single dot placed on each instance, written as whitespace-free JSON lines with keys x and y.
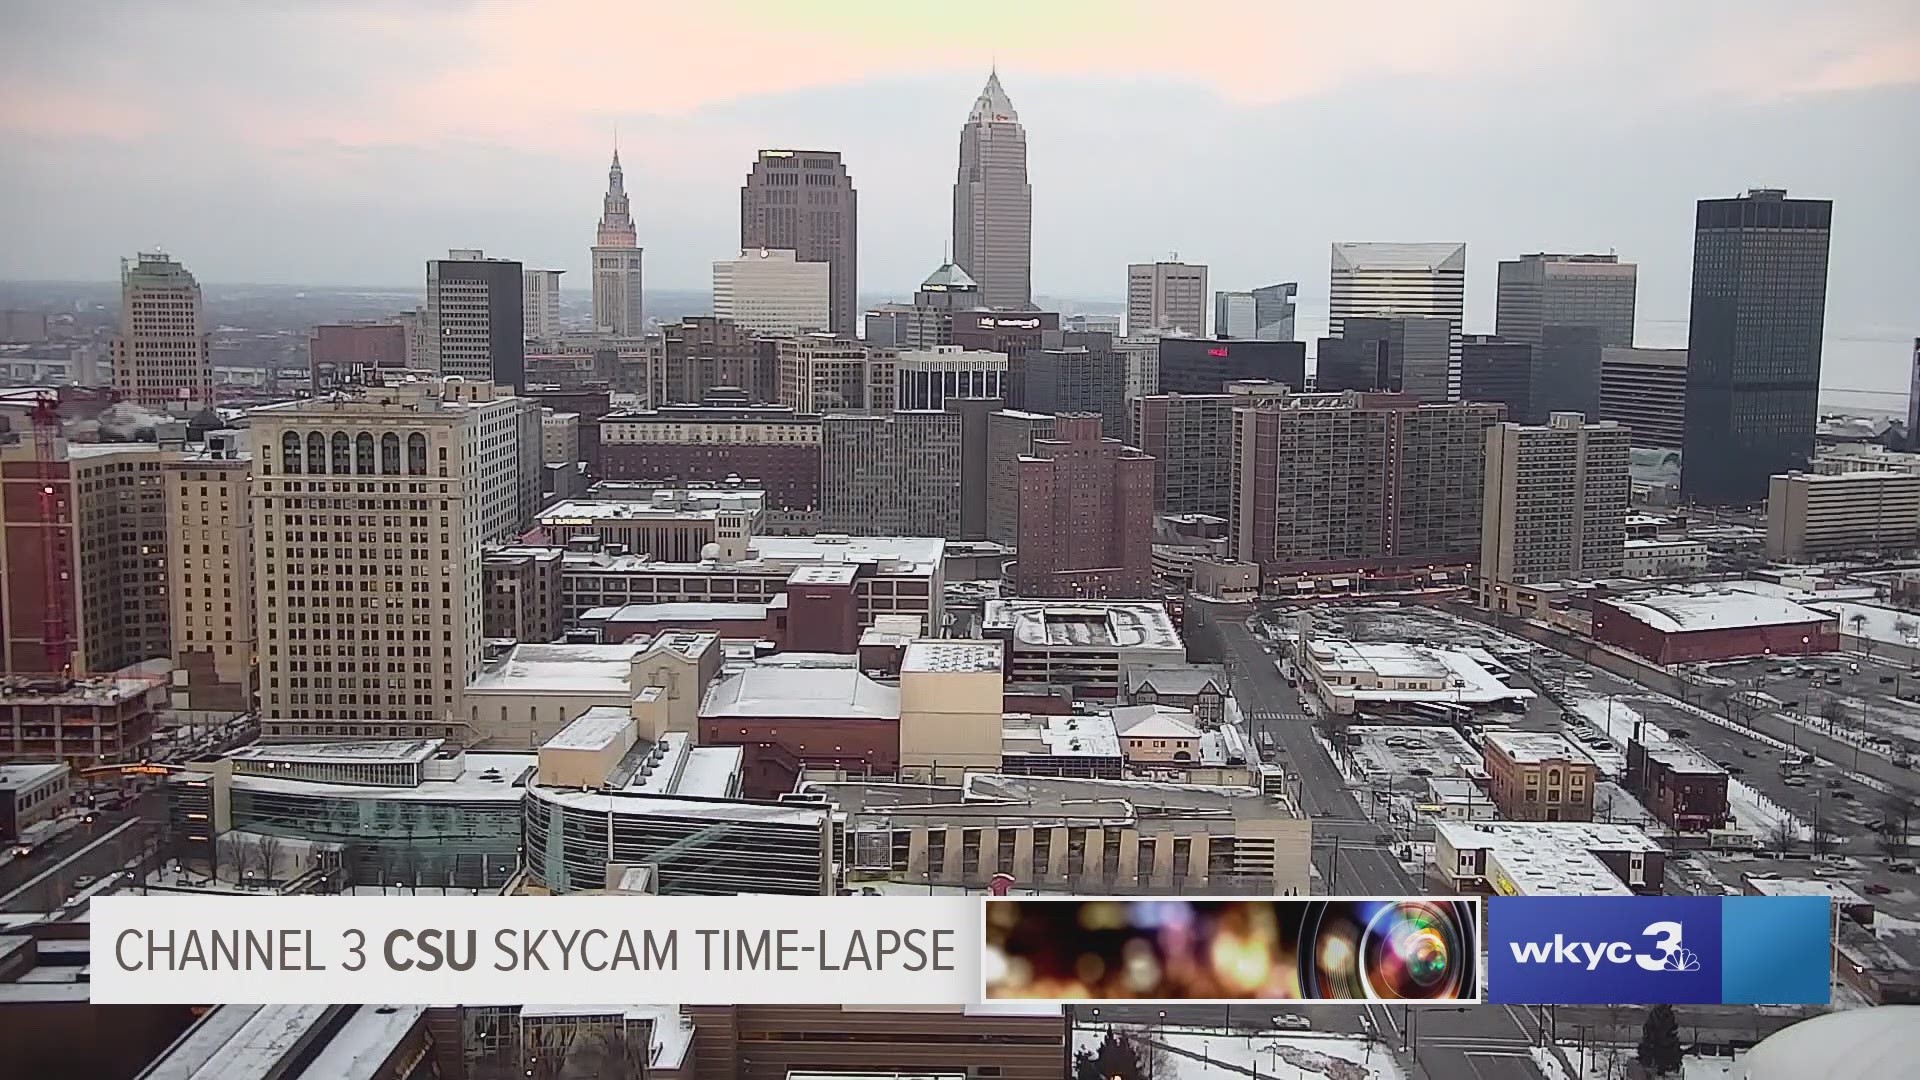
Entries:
{"x":1281,"y":717}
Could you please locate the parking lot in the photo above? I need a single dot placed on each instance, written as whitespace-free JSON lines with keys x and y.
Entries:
{"x":1877,"y":700}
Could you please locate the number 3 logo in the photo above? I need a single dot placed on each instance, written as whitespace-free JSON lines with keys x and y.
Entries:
{"x":1667,"y":954}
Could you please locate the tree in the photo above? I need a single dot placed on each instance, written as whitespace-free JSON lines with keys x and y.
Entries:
{"x":1821,"y":838}
{"x":1660,"y":1051}
{"x":1897,"y":811}
{"x":1904,"y":627}
{"x":269,"y":846}
{"x":1832,"y":711}
{"x":1783,"y":838}
{"x":227,"y":855}
{"x":1116,"y":1057}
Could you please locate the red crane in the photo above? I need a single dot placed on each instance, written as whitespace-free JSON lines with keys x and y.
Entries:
{"x":56,"y":540}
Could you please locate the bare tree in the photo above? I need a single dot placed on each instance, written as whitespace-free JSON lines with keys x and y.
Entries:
{"x":250,"y":865}
{"x":1833,"y":711}
{"x":1783,"y":838}
{"x":1821,"y":838}
{"x":1155,"y":1059}
{"x":269,"y":846}
{"x":1904,"y":627}
{"x":227,"y":854}
{"x":1897,"y":812}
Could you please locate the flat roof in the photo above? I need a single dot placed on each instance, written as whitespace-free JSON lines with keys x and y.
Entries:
{"x":593,"y":729}
{"x":1103,"y":624}
{"x":27,"y":774}
{"x":903,"y":556}
{"x":674,"y":766}
{"x":363,"y":751}
{"x":641,"y":804}
{"x":1773,"y":886}
{"x":691,"y":612}
{"x":483,"y":778}
{"x":1058,"y":736}
{"x":1548,"y":857}
{"x":829,"y":574}
{"x":988,"y":795}
{"x":1683,"y":759}
{"x":561,"y":669}
{"x":1534,"y":747}
{"x":783,"y":691}
{"x":952,"y":655}
{"x":48,"y":690}
{"x":704,"y":507}
{"x":1466,"y":681}
{"x":1674,"y":613}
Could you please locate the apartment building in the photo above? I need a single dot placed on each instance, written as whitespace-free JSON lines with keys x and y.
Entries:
{"x":894,"y":473}
{"x":771,"y":446}
{"x":820,"y":373}
{"x":523,"y":594}
{"x":1556,"y":499}
{"x":1011,"y":434}
{"x":369,"y":517}
{"x":208,"y":491}
{"x":1086,"y":515}
{"x":1190,"y":439}
{"x":1358,"y":482}
{"x":1814,"y":516}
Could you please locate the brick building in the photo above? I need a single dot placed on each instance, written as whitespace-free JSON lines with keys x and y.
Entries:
{"x":770,"y":444}
{"x":1086,"y":515}
{"x":1682,"y":628}
{"x":1539,"y":776}
{"x":1678,"y":785}
{"x":340,"y":353}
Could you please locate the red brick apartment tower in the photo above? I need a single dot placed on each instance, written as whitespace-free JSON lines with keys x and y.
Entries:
{"x":1086,"y":515}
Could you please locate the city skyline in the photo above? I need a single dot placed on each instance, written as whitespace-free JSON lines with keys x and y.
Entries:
{"x":344,"y":196}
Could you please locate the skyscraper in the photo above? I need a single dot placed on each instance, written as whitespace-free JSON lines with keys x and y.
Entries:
{"x":475,"y":322}
{"x":803,"y":201}
{"x":1086,"y":514}
{"x":1391,"y":353}
{"x":617,"y":296}
{"x":1646,"y":390}
{"x":1556,"y":503}
{"x":1542,"y":290}
{"x":160,"y":355}
{"x":771,"y":292}
{"x":541,"y":304}
{"x":1400,"y":279}
{"x":891,"y":474}
{"x":1166,"y":296}
{"x":1265,"y":313}
{"x":928,"y":322}
{"x":993,"y":203}
{"x":1753,"y":342}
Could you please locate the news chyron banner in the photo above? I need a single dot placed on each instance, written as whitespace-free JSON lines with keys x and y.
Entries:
{"x":1653,"y":950}
{"x":1279,"y":949}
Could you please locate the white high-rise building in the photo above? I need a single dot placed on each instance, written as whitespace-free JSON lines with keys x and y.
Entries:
{"x":617,"y":295}
{"x":1166,"y":296}
{"x":771,"y":291}
{"x":542,"y":304}
{"x":1401,"y":279}
{"x":160,"y":355}
{"x":993,"y":202}
{"x":367,"y":591}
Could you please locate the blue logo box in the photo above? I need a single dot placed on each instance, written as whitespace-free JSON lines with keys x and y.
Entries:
{"x":1649,"y":950}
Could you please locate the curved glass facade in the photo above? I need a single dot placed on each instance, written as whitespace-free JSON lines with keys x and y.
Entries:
{"x":717,"y":848}
{"x":464,"y":843}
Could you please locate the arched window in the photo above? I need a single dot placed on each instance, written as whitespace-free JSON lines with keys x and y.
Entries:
{"x":1553,"y":777}
{"x":316,"y":453}
{"x":416,"y":454}
{"x":390,"y":454}
{"x":342,"y":454}
{"x":290,"y":452}
{"x":363,"y":454}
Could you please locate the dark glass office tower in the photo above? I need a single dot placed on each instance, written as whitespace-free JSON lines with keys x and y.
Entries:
{"x":1753,"y":342}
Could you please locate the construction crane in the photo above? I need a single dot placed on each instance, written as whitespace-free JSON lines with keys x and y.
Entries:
{"x":56,"y":541}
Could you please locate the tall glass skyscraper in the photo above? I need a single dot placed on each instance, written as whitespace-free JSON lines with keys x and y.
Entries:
{"x":1753,"y":342}
{"x":993,"y":203}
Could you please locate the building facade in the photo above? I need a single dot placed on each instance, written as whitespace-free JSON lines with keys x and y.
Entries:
{"x":1077,"y":373}
{"x":993,"y":203}
{"x":1190,"y":439}
{"x":1826,"y":516}
{"x":1541,"y":290}
{"x":1398,"y":354}
{"x":160,"y":353}
{"x":820,"y":373}
{"x":1645,"y":390}
{"x":476,"y":325}
{"x":1086,"y":514}
{"x":1753,"y":342}
{"x":895,"y":473}
{"x":1199,"y":365}
{"x":1011,"y":434}
{"x":1496,"y":369}
{"x":929,"y":378}
{"x":803,"y":201}
{"x":1556,"y":502}
{"x":209,"y":494}
{"x":1399,"y":279}
{"x":772,"y":292}
{"x":769,"y":446}
{"x":343,"y":352}
{"x":540,"y":304}
{"x":1166,"y":296}
{"x":1539,"y":776}
{"x":1264,"y":314}
{"x":619,"y":306}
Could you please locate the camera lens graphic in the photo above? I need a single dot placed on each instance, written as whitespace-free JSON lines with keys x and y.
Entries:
{"x":1415,"y":950}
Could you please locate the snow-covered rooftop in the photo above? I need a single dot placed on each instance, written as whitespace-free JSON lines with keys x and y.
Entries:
{"x":688,"y":612}
{"x":1765,"y":885}
{"x":1534,"y":747}
{"x":1682,"y":759}
{"x":908,"y":556}
{"x":765,"y":691}
{"x":1059,"y":736}
{"x":27,"y":775}
{"x":833,"y":574}
{"x":1462,"y":679}
{"x":484,"y":778}
{"x":1155,"y":722}
{"x":1676,"y":612}
{"x":952,"y":655}
{"x":1547,"y":857}
{"x":365,"y":751}
{"x":593,"y":729}
{"x":561,"y":669}
{"x":1179,"y":680}
{"x":588,"y":511}
{"x":1103,"y":624}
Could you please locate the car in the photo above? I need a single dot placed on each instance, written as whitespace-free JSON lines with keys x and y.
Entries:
{"x":1748,"y":753}
{"x":1874,"y":888}
{"x":1900,"y":867}
{"x":1420,"y":770}
{"x":1836,"y":784}
{"x":1885,"y":679}
{"x":83,"y":881}
{"x":1291,"y":1022}
{"x":1846,"y":796}
{"x":1323,"y":813}
{"x":1825,"y":872}
{"x":1794,"y":781}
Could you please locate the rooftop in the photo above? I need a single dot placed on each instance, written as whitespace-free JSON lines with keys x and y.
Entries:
{"x":1534,"y":747}
{"x":366,"y":751}
{"x":27,"y":775}
{"x":674,"y":766}
{"x":1179,"y":680}
{"x":265,"y":1042}
{"x":985,"y":796}
{"x":952,"y":655}
{"x":666,"y":505}
{"x":1464,"y":679}
{"x":1058,"y":736}
{"x":897,"y":555}
{"x":1539,"y":858}
{"x":765,"y":691}
{"x":1777,"y":886}
{"x":593,"y":729}
{"x":1109,"y":624}
{"x":51,"y":690}
{"x":561,"y":669}
{"x":1683,"y":759}
{"x":1677,"y":612}
{"x":483,"y":778}
{"x":684,"y":612}
{"x":1155,"y":722}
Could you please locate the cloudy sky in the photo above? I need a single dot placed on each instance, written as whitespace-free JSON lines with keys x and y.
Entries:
{"x":345,"y":142}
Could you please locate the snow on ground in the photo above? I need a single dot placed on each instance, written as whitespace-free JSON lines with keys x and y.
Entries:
{"x":1193,"y":1056}
{"x":1611,"y":1063}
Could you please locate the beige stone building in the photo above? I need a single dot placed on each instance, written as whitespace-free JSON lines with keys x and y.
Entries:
{"x":1817,"y":516}
{"x":369,"y":516}
{"x":208,"y":491}
{"x":1555,"y":503}
{"x":951,"y":709}
{"x":821,"y":373}
{"x":160,"y":355}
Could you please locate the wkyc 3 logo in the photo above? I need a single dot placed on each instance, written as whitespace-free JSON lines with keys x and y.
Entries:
{"x":1665,"y":952}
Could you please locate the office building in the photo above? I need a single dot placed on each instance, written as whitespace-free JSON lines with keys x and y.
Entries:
{"x":522,"y":587}
{"x":680,"y":525}
{"x":1492,"y":369}
{"x":618,"y":300}
{"x":559,"y":437}
{"x":894,"y":473}
{"x":1566,"y":372}
{"x":84,"y":722}
{"x":1840,"y":515}
{"x":1645,"y":390}
{"x":1140,"y":362}
{"x":1753,"y":342}
{"x":540,"y":302}
{"x":1400,"y":279}
{"x":31,"y":794}
{"x":160,"y":353}
{"x":929,"y":378}
{"x":699,"y":355}
{"x":379,"y":636}
{"x":803,"y":201}
{"x":1681,"y":787}
{"x":1086,"y":515}
{"x":1541,"y":290}
{"x":928,"y":322}
{"x":771,"y":446}
{"x":1190,"y":439}
{"x":1077,"y":373}
{"x":1353,"y":481}
{"x":1410,"y":354}
{"x":475,"y":323}
{"x":209,"y":492}
{"x":771,"y":292}
{"x":339,"y":353}
{"x":1013,"y":333}
{"x":1265,"y":314}
{"x":1199,"y":365}
{"x":1539,"y":776}
{"x":1556,"y":503}
{"x":1166,"y":296}
{"x":820,"y":373}
{"x":993,"y":203}
{"x":1011,"y":434}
